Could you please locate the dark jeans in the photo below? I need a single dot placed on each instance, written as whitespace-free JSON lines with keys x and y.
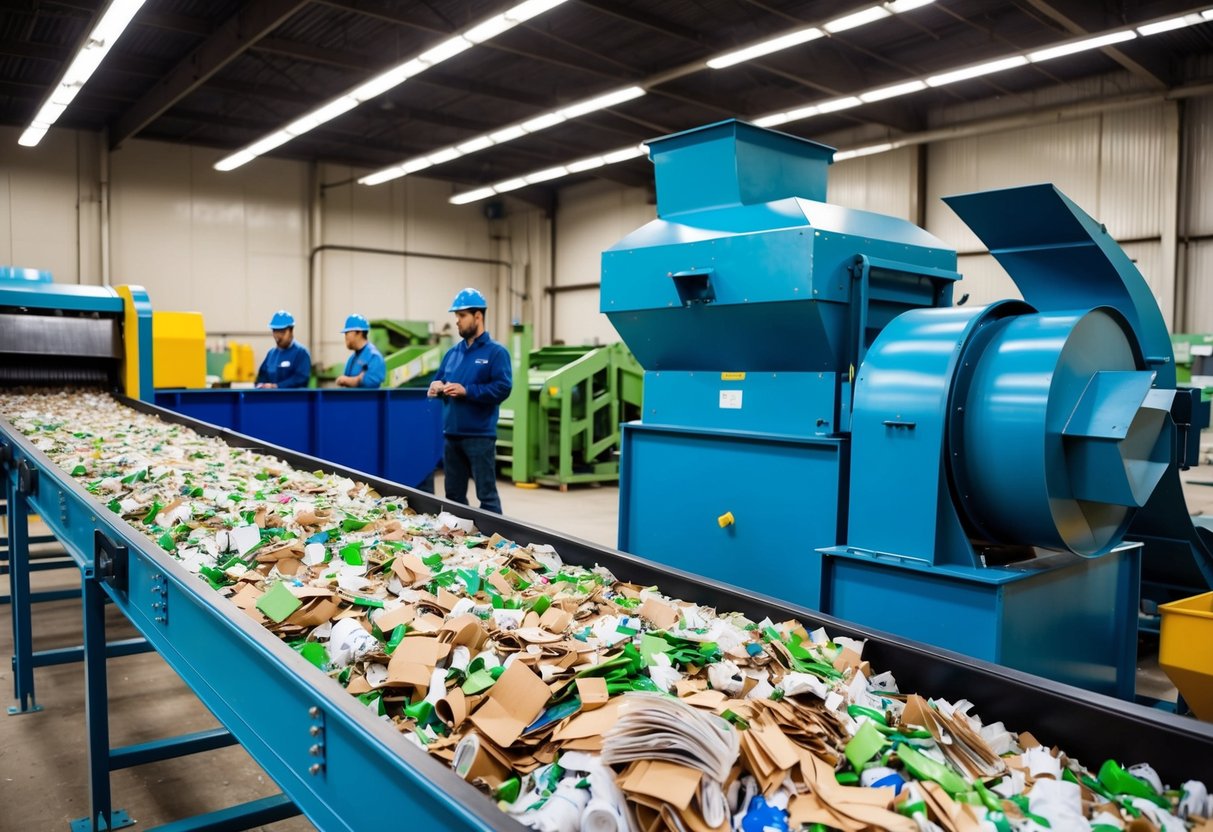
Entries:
{"x":474,"y":456}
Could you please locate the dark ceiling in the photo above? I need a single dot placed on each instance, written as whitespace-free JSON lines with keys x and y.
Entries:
{"x":223,"y":73}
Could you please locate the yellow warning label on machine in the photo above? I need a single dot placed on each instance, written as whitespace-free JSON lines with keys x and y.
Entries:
{"x":732,"y":376}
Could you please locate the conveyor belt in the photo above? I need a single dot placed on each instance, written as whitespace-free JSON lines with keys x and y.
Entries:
{"x":223,"y":655}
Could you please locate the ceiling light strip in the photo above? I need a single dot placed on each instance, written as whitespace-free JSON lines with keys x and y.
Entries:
{"x":394,"y":77}
{"x":877,"y":94}
{"x":113,"y":22}
{"x":505,"y":134}
{"x":852,"y":20}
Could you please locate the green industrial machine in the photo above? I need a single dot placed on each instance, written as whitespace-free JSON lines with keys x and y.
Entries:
{"x":411,"y":350}
{"x":562,"y":425}
{"x":1194,"y":360}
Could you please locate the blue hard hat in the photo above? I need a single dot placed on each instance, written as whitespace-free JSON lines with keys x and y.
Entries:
{"x":358,"y":322}
{"x":469,"y":298}
{"x":282,"y":320}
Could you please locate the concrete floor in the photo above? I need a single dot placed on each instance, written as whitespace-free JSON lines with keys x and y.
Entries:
{"x":43,"y":769}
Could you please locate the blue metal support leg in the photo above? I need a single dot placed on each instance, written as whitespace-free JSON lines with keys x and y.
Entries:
{"x":102,"y":817}
{"x":19,"y":588}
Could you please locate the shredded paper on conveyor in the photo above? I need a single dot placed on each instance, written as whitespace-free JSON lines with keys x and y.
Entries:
{"x":579,"y":701}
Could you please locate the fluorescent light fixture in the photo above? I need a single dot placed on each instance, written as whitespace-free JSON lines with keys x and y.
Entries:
{"x":114,"y":20}
{"x":582,"y":165}
{"x":472,"y":196}
{"x":509,"y":185}
{"x":33,"y":134}
{"x":843,"y":155}
{"x":855,"y":19}
{"x":474,"y":145}
{"x":381,"y":176}
{"x":443,"y":156}
{"x":892,"y":91}
{"x":616,"y":156}
{"x":446,"y":50}
{"x":384,"y":81}
{"x":835,"y":104}
{"x":542,"y":122}
{"x":507,"y":134}
{"x":531,"y":8}
{"x":773,"y":120}
{"x":976,"y":71}
{"x":602,"y":102}
{"x":1081,"y":46}
{"x":414,"y":165}
{"x":545,"y":175}
{"x":315,"y":118}
{"x":1171,"y":25}
{"x":515,"y":131}
{"x":766,"y":47}
{"x":489,"y":29}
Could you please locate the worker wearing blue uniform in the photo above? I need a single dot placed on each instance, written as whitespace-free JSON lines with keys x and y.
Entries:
{"x":474,"y":378}
{"x":365,"y":368}
{"x":288,"y":365}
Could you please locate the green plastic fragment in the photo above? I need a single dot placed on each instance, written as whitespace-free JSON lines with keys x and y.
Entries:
{"x":740,"y":721}
{"x":278,"y":603}
{"x":114,"y":506}
{"x":153,"y":511}
{"x":471,"y":579}
{"x":1118,"y":782}
{"x":540,"y":605}
{"x":865,"y":745}
{"x":509,"y":790}
{"x":432,"y":560}
{"x":924,"y":768}
{"x":395,"y":638}
{"x":478,"y":682}
{"x":351,"y":553}
{"x":314,"y":652}
{"x":79,"y":471}
{"x":166,"y":542}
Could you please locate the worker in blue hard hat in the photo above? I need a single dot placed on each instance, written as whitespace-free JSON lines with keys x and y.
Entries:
{"x":365,"y":368}
{"x":474,"y":378}
{"x":288,"y":365}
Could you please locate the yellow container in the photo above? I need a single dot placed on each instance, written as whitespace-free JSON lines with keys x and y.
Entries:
{"x":178,"y":349}
{"x":1185,"y":650}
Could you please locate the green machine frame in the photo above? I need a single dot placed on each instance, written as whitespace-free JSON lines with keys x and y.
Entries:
{"x":411,"y":351}
{"x":562,"y":426}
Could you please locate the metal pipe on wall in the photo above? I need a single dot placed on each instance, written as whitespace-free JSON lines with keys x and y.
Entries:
{"x":389,"y":252}
{"x":105,"y":207}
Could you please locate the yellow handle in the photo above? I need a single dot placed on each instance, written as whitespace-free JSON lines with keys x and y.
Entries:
{"x":725,"y":519}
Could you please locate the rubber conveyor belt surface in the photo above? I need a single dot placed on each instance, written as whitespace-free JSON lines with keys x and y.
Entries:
{"x":223,"y":655}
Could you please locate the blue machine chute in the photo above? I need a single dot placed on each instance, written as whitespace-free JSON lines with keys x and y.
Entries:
{"x":821,"y":424}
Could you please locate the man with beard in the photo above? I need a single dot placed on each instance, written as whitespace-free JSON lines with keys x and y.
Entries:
{"x":474,"y":378}
{"x":288,"y":365}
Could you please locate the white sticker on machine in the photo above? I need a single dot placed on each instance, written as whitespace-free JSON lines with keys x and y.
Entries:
{"x":730,"y":399}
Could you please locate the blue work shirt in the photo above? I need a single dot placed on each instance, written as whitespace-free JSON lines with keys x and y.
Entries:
{"x":484,"y":371}
{"x":369,"y":362}
{"x":287,"y":368}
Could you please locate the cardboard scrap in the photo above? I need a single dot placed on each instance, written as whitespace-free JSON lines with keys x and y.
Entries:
{"x":512,"y":705}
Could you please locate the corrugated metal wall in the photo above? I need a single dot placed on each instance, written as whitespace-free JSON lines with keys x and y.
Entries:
{"x":235,"y":246}
{"x":1118,"y":166}
{"x":886,"y":183}
{"x":591,"y":218}
{"x":1197,"y":254}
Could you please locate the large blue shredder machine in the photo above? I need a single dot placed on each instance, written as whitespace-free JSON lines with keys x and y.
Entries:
{"x":821,"y":424}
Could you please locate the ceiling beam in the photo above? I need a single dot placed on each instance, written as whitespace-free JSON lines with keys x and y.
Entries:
{"x":254,"y":21}
{"x":645,"y":19}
